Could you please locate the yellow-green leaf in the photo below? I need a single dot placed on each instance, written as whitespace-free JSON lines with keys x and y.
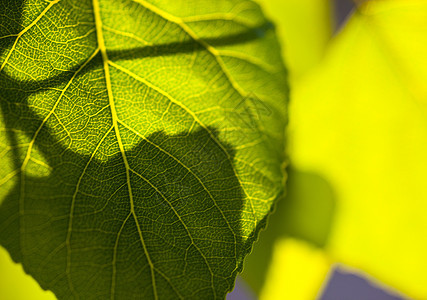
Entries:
{"x":141,"y":143}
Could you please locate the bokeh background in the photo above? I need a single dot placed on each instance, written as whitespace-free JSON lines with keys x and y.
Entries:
{"x":353,"y":223}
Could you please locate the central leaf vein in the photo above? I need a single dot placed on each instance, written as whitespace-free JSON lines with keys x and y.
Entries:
{"x":103,"y":50}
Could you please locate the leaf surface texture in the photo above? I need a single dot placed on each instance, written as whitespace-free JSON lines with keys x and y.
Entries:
{"x":142,"y":143}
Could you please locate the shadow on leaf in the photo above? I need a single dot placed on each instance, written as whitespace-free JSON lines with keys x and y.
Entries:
{"x":162,"y":217}
{"x":96,"y":227}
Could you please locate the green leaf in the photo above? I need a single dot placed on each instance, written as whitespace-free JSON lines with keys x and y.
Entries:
{"x":141,"y":143}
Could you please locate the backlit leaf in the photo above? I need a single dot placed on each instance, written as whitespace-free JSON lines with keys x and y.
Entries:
{"x":129,"y":169}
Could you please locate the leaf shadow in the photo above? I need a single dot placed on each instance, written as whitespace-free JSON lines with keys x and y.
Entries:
{"x":193,"y":192}
{"x":152,"y":51}
{"x":189,"y":46}
{"x":76,"y":233}
{"x":35,"y":217}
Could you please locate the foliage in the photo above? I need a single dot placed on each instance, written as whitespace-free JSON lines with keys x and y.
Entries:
{"x":136,"y":159}
{"x":356,"y":143}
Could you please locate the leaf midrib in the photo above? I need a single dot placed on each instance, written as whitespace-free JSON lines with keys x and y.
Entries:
{"x":116,"y":120}
{"x":103,"y":50}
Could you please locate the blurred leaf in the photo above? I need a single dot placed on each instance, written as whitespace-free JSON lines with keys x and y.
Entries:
{"x":359,"y":121}
{"x":15,"y":284}
{"x":304,"y":27}
{"x":309,"y":268}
